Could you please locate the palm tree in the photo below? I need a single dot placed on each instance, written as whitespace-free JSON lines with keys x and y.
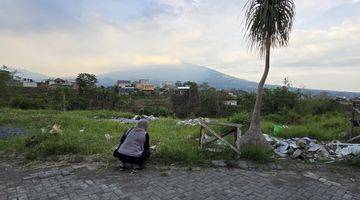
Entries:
{"x":268,"y":24}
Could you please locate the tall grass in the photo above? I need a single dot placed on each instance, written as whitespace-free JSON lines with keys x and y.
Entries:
{"x":175,"y":144}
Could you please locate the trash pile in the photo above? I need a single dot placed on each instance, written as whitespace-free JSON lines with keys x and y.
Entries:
{"x":135,"y":119}
{"x":193,"y":122}
{"x":309,"y":149}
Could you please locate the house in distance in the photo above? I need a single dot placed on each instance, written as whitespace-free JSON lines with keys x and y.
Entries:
{"x":125,"y":87}
{"x":144,"y":86}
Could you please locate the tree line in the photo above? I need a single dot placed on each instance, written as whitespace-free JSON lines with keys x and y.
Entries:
{"x":199,"y":100}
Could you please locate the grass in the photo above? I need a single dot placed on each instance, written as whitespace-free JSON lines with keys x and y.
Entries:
{"x":175,"y":144}
{"x":327,"y":127}
{"x":256,"y":153}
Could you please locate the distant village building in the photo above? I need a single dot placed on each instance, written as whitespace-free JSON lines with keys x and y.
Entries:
{"x":144,"y":86}
{"x":58,"y":82}
{"x":144,"y":81}
{"x":231,"y":102}
{"x":28,"y":83}
{"x":167,"y":85}
{"x":183,"y":88}
{"x":125,"y":87}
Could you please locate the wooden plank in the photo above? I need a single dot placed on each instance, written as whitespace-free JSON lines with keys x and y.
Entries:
{"x":357,"y":110}
{"x":222,"y":139}
{"x":354,"y":138}
{"x":223,"y":123}
{"x":238,"y":137}
{"x":202,"y":136}
{"x":222,"y":135}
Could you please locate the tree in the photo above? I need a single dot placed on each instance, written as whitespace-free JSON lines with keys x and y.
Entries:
{"x":61,"y":98}
{"x":268,"y":24}
{"x":86,"y":82}
{"x":4,"y":79}
{"x":178,"y":84}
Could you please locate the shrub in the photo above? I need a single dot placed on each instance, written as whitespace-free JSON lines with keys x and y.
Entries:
{"x":26,"y":103}
{"x":279,"y":100}
{"x":287,"y":117}
{"x":317,"y":106}
{"x":256,"y":153}
{"x":243,"y":118}
{"x":78,"y":103}
{"x":267,"y":127}
{"x":59,"y":148}
{"x":313,"y":131}
{"x":156,"y":111}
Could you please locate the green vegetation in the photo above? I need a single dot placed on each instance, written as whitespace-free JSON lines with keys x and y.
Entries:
{"x":317,"y":117}
{"x":256,"y":153}
{"x":175,"y":144}
{"x":324,"y":127}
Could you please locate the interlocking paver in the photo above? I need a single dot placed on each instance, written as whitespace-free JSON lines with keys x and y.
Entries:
{"x":209,"y":184}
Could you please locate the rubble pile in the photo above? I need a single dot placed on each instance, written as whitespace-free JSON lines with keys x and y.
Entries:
{"x":309,"y":149}
{"x":135,"y":119}
{"x":193,"y":122}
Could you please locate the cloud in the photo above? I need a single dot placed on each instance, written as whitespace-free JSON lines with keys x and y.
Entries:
{"x":63,"y":37}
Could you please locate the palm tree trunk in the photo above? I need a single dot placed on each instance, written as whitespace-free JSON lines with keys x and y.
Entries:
{"x":256,"y":117}
{"x":253,"y":135}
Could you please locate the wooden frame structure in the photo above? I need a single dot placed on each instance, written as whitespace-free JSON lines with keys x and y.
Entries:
{"x":236,"y":131}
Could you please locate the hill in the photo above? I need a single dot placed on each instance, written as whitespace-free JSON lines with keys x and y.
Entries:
{"x":28,"y":74}
{"x":185,"y":72}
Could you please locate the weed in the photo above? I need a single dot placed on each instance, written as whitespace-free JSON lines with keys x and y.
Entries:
{"x":256,"y":153}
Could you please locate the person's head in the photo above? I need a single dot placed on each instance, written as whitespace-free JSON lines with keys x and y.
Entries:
{"x":143,"y":124}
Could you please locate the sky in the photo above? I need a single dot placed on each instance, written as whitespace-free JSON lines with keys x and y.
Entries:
{"x":66,"y":37}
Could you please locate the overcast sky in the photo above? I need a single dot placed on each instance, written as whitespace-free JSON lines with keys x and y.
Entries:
{"x":66,"y":37}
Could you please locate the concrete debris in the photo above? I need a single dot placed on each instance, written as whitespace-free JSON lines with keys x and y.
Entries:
{"x":193,"y":122}
{"x":135,"y":119}
{"x":279,"y":153}
{"x":349,"y":150}
{"x":309,"y":149}
{"x":297,"y":153}
{"x":151,"y":117}
{"x":314,"y":148}
{"x":219,"y":163}
{"x":301,"y":143}
{"x":108,"y":137}
{"x":55,"y":130}
{"x":153,"y":150}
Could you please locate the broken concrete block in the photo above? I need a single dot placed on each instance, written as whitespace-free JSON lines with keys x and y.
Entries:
{"x":243,"y":164}
{"x":297,"y":153}
{"x":219,"y":163}
{"x":301,"y":143}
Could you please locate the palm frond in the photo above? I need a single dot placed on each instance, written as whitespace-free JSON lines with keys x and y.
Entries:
{"x":269,"y":20}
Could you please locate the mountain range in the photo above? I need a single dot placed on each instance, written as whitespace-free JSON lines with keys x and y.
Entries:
{"x":183,"y":72}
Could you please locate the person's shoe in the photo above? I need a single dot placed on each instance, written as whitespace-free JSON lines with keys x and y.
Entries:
{"x":123,"y":166}
{"x":137,"y":167}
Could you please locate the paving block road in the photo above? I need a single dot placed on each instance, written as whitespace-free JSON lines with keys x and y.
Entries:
{"x":84,"y":182}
